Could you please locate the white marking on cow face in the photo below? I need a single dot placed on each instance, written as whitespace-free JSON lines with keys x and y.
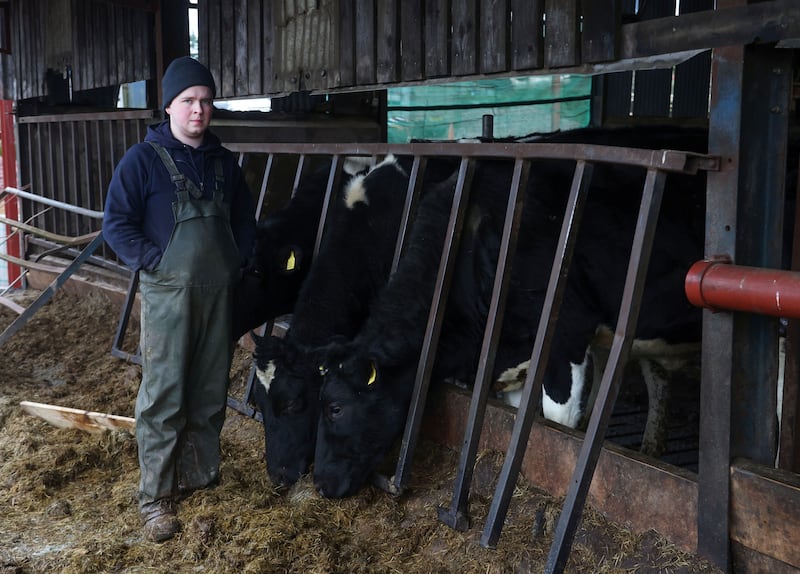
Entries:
{"x":266,"y":376}
{"x":355,"y":192}
{"x":355,"y":164}
{"x":569,"y":413}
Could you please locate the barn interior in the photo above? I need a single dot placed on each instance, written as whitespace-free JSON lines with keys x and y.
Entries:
{"x":81,"y":82}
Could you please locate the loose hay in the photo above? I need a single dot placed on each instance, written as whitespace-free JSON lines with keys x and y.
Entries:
{"x":68,"y":497}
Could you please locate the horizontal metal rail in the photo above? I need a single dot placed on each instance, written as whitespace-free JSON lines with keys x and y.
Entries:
{"x":664,"y":159}
{"x":53,"y":203}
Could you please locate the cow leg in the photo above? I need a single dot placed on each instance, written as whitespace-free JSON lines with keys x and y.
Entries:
{"x":654,"y":440}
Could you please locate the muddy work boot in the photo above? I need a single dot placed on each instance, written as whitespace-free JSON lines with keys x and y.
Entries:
{"x":160,"y":521}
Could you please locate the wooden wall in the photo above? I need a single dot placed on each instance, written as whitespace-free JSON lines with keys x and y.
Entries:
{"x":271,"y":47}
{"x":100,"y":43}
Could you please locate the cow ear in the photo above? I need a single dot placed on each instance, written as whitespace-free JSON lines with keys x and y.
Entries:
{"x":373,"y":374}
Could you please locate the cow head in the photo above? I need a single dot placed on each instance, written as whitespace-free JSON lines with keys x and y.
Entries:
{"x":279,"y":257}
{"x":362,"y":413}
{"x":286,"y":395}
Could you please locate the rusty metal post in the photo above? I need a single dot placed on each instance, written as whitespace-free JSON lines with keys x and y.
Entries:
{"x":715,"y":395}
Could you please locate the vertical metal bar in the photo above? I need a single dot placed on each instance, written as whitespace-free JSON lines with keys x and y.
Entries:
{"x":262,"y":192}
{"x":333,"y":183}
{"x":724,"y":135}
{"x":612,"y":377}
{"x":412,"y":193}
{"x":532,"y":391}
{"x":413,"y":422}
{"x":457,"y":516}
{"x":298,"y":173}
{"x":122,"y":327}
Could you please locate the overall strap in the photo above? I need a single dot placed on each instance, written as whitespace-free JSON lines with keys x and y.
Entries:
{"x":182,"y":183}
{"x":219,"y":181}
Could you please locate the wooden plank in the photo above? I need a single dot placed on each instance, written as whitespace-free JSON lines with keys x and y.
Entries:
{"x":214,"y":47}
{"x":601,"y":26}
{"x":203,"y":32}
{"x":388,"y":41}
{"x":241,"y":48}
{"x":88,"y":50}
{"x":225,"y":85}
{"x":269,"y":45}
{"x":464,"y":56}
{"x":9,"y":304}
{"x":561,"y":42}
{"x":89,"y":421}
{"x":121,"y":60}
{"x":437,"y":26}
{"x":365,"y":49}
{"x":347,"y":41}
{"x":110,"y":29}
{"x":411,"y":38}
{"x":763,"y":23}
{"x":494,"y":22}
{"x":255,"y":56}
{"x":527,"y":42}
{"x":100,"y":40}
{"x":765,"y":510}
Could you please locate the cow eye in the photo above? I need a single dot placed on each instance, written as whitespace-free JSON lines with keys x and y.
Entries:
{"x":334,"y":411}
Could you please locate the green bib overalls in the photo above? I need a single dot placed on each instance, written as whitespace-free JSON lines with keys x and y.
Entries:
{"x":186,"y":344}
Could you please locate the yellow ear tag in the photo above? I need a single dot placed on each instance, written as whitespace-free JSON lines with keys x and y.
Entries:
{"x":323,"y":370}
{"x":291,"y":262}
{"x":373,"y":374}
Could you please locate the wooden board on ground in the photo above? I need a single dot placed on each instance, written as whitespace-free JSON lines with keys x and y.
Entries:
{"x":65,"y":417}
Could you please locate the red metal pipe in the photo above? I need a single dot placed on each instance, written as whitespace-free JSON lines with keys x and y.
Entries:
{"x":719,"y":286}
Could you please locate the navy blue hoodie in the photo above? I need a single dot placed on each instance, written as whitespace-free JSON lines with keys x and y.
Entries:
{"x":138,"y":218}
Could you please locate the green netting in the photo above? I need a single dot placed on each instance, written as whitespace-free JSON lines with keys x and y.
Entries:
{"x":520,"y":106}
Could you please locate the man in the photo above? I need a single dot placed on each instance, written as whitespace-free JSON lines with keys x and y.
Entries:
{"x":178,"y":212}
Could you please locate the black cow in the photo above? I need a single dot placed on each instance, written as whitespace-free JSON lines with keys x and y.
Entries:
{"x":283,"y":251}
{"x":368,"y":381}
{"x":352,"y":266}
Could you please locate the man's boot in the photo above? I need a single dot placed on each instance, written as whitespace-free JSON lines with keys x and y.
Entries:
{"x":160,"y":521}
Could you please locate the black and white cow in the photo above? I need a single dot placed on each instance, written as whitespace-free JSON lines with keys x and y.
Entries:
{"x":595,"y":283}
{"x":283,"y":250}
{"x":668,"y":328}
{"x":368,"y":381}
{"x":351,"y":268}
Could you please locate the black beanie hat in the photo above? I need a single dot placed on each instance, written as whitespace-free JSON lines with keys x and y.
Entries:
{"x":182,"y":73}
